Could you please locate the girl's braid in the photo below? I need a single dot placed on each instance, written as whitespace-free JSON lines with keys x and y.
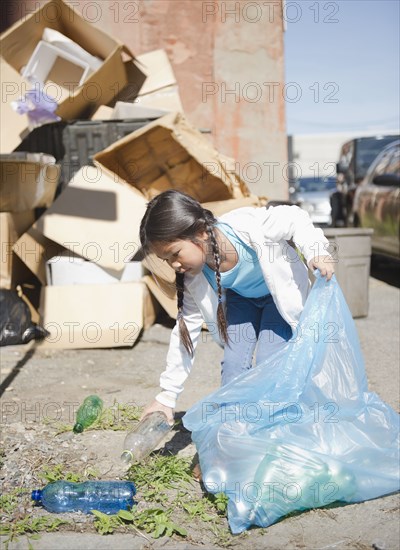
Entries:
{"x":183,"y":330}
{"x":221,"y":321}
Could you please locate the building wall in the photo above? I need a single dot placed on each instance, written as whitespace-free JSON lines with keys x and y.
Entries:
{"x":228,"y":59}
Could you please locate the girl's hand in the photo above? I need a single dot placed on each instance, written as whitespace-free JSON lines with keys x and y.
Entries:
{"x":325,"y":264}
{"x":156,"y":406}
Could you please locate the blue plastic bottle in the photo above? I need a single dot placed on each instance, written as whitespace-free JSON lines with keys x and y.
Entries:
{"x":106,"y":496}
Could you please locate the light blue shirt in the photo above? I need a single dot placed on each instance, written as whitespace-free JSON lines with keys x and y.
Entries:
{"x":245,"y":277}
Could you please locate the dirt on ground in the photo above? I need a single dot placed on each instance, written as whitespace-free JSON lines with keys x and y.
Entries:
{"x":43,"y":389}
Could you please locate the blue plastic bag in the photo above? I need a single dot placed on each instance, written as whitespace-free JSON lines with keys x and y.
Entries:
{"x":301,"y":430}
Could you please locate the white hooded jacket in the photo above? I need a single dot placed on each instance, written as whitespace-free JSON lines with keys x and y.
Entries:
{"x":267,"y":231}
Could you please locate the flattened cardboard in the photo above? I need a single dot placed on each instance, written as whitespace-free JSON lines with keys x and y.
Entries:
{"x":170,"y":153}
{"x":98,"y":316}
{"x":160,"y":89}
{"x":97,"y":218}
{"x":18,"y":43}
{"x":158,"y":71}
{"x":159,"y":93}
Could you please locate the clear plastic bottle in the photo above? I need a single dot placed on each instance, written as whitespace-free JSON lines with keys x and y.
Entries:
{"x":106,"y":496}
{"x":88,"y":413}
{"x":145,"y":437}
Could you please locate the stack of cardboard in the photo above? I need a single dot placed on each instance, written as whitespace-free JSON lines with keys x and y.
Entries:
{"x":84,"y":249}
{"x":92,"y":221}
{"x":97,"y":218}
{"x":17,"y":47}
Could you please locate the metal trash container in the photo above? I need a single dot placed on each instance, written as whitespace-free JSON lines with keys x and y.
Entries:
{"x":351,"y":247}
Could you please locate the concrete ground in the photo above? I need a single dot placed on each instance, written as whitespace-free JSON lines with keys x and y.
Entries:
{"x":36,"y":383}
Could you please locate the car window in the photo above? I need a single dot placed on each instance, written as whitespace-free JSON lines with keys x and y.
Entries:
{"x":393,"y":166}
{"x":306,"y":185}
{"x":378,"y":167}
{"x":368,"y":149}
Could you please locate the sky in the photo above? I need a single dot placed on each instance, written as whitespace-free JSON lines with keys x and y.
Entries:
{"x":342,"y":65}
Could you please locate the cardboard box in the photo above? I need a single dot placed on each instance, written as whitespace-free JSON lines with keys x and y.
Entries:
{"x":96,"y":218}
{"x":12,"y":226}
{"x":92,"y":316}
{"x":70,"y":269}
{"x":18,"y":43}
{"x":170,"y":153}
{"x":27,"y":181}
{"x":59,"y":305}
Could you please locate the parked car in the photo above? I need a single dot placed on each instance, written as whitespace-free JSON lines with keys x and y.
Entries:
{"x":312,"y":194}
{"x":355,"y":158}
{"x":377,"y":201}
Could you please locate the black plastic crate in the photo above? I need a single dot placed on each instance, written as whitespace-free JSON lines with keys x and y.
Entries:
{"x":73,"y":144}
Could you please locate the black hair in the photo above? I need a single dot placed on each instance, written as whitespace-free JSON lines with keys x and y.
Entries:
{"x":171,"y":216}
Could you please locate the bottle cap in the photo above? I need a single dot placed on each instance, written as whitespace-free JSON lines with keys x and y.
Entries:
{"x":127,"y":457}
{"x":78,"y":428}
{"x":37,"y":495}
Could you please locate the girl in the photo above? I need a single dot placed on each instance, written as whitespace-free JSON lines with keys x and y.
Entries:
{"x":237,"y":273}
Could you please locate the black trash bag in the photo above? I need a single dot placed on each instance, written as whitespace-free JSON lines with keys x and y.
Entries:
{"x":16,"y":325}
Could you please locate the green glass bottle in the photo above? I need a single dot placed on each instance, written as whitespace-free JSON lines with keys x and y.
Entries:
{"x":88,"y":413}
